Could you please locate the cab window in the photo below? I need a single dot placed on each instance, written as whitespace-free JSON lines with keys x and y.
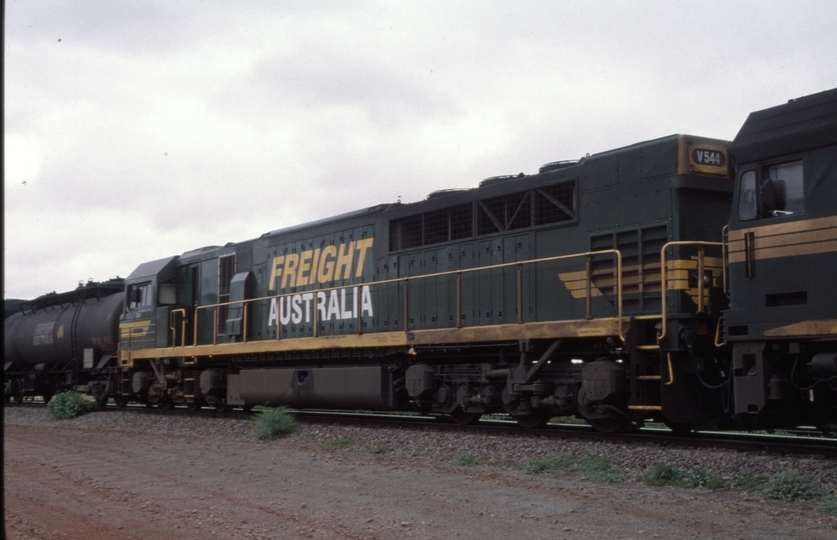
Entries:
{"x":139,"y":296}
{"x":747,"y":205}
{"x":782,"y":191}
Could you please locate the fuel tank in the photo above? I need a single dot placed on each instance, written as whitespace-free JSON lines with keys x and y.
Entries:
{"x":57,"y":328}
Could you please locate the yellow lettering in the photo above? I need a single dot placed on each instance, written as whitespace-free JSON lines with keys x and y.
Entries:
{"x":314,"y":261}
{"x":325,"y":272}
{"x":291,"y":264}
{"x":362,"y":246}
{"x":344,"y":260}
{"x":304,"y":266}
{"x":276,"y":271}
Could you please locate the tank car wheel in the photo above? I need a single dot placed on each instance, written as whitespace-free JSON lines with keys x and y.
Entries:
{"x":534,"y":420}
{"x":247,"y":408}
{"x":195,"y":405}
{"x":120,"y":400}
{"x":221,"y":407}
{"x":102,"y":401}
{"x":18,"y":397}
{"x":463,"y":418}
{"x":47,"y":398}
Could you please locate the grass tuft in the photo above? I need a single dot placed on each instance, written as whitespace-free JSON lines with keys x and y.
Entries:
{"x":69,"y":405}
{"x":828,"y":506}
{"x":465,"y":460}
{"x":275,"y":423}
{"x":664,"y":475}
{"x":339,"y":444}
{"x":701,"y":478}
{"x":594,"y":468}
{"x":789,"y":486}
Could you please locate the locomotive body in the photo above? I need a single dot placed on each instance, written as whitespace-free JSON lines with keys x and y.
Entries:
{"x":616,"y":288}
{"x":782,"y":324}
{"x":529,"y":295}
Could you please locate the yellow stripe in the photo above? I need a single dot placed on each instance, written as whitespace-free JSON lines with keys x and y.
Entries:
{"x":808,"y":237}
{"x":808,"y":329}
{"x":475,"y":334}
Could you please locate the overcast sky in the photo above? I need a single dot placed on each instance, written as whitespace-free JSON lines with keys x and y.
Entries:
{"x":135,"y":130}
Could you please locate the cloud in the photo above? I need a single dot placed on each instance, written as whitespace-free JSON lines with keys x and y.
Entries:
{"x":153,"y":128}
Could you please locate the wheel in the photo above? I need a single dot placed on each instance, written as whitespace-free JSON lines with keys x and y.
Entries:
{"x":166,"y":404}
{"x":533,"y":420}
{"x":679,"y":429}
{"x":247,"y":408}
{"x":102,"y":401}
{"x":120,"y":400}
{"x":608,"y":425}
{"x":47,"y":398}
{"x":221,"y":407}
{"x":195,"y":405}
{"x":464,"y":418}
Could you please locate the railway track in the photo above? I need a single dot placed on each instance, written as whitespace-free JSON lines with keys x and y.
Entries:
{"x":799,"y":441}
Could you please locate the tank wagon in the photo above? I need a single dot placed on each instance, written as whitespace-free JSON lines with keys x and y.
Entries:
{"x":62,"y":341}
{"x":617,"y":288}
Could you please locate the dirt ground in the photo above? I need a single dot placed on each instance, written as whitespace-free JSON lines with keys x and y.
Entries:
{"x":65,"y":483}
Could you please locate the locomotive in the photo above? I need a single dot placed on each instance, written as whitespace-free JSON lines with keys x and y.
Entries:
{"x":683,"y":280}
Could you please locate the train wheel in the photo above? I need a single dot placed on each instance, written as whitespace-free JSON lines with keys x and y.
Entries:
{"x":464,"y":418}
{"x":608,"y":425}
{"x":120,"y":400}
{"x":221,"y":407}
{"x":166,"y":404}
{"x":247,"y":408}
{"x":195,"y":405}
{"x":102,"y":401}
{"x":679,"y":429}
{"x":47,"y":398}
{"x":533,"y":420}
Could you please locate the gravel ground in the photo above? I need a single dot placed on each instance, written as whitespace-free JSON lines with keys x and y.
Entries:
{"x":503,"y":450}
{"x":414,"y":472}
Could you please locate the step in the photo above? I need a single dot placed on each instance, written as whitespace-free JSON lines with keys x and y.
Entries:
{"x":645,"y":407}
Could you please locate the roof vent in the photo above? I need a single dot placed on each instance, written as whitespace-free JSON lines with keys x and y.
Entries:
{"x":500,"y":179}
{"x":443,"y":192}
{"x":557,"y":165}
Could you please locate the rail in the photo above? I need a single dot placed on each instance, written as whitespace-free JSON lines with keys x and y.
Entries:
{"x":321,"y":294}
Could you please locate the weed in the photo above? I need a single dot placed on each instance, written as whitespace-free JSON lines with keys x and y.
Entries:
{"x":699,"y":477}
{"x":69,"y":405}
{"x":751,"y":482}
{"x":664,"y":475}
{"x":465,"y":460}
{"x":593,"y":468}
{"x":549,"y":464}
{"x":789,"y":486}
{"x":274,"y":423}
{"x":829,"y":506}
{"x":338,"y":444}
{"x":601,"y":470}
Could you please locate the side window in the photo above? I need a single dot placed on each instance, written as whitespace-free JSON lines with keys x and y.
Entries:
{"x":782,"y":190}
{"x":747,"y":207}
{"x":139,"y":296}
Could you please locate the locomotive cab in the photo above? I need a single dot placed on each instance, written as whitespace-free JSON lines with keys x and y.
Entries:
{"x":782,"y":322}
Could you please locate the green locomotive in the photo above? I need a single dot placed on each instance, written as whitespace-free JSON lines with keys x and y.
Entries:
{"x":616,"y":288}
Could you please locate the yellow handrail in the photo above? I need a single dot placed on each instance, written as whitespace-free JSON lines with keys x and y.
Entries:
{"x":664,"y":278}
{"x":458,"y":273}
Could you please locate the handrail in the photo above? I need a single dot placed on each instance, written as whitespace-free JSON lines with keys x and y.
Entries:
{"x":406,"y":281}
{"x":173,"y":328}
{"x":664,"y":278}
